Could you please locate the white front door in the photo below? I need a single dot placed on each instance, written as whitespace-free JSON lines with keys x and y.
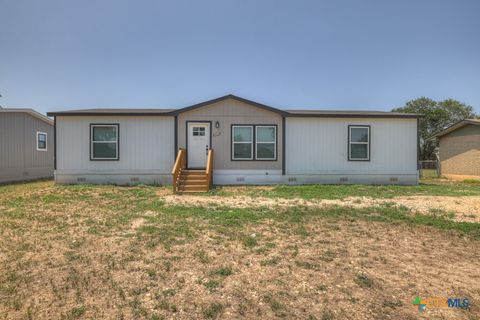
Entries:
{"x":198,"y":143}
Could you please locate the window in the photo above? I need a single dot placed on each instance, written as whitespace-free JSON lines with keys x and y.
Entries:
{"x":359,"y":143}
{"x":41,"y":141}
{"x":199,"y":131}
{"x":265,"y":142}
{"x":249,"y":146}
{"x":104,"y":141}
{"x":242,"y":142}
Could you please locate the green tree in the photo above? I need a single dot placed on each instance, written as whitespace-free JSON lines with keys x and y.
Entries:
{"x":437,"y":116}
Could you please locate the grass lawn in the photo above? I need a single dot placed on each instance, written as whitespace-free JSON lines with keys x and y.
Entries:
{"x":429,"y":186}
{"x":106,"y":252}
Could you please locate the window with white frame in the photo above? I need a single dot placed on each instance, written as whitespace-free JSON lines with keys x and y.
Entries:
{"x":242,"y":142}
{"x":104,"y":141}
{"x":359,"y":143}
{"x":265,"y":142}
{"x":41,"y":141}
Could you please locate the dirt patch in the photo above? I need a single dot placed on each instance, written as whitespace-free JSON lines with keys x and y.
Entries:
{"x":457,"y":177}
{"x":243,"y":189}
{"x":463,"y":208}
{"x":137,"y":223}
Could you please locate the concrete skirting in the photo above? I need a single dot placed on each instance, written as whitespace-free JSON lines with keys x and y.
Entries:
{"x":242,"y":177}
{"x":118,"y":179}
{"x":237,"y":177}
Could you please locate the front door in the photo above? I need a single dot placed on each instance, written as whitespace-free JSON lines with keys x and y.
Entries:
{"x":198,"y":143}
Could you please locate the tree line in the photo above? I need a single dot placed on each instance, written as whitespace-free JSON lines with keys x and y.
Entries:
{"x":437,"y":115}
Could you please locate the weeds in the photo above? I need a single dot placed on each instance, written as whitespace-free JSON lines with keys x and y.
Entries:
{"x":364,"y":281}
{"x":77,"y":312}
{"x":270,"y":262}
{"x":274,"y":304}
{"x":202,"y":256}
{"x":213,"y":311}
{"x":250,"y":241}
{"x":212,"y":285}
{"x":223,"y":271}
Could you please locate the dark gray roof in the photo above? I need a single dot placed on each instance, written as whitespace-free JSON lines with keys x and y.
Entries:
{"x":110,"y":111}
{"x":286,"y":113}
{"x":350,"y":113}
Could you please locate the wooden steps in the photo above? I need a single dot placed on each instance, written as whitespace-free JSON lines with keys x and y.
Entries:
{"x":189,"y":180}
{"x":192,"y":181}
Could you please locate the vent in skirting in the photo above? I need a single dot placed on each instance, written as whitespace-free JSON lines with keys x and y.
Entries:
{"x":344,"y":179}
{"x":292,"y":179}
{"x":393,"y":179}
{"x":81,"y":179}
{"x":134,"y":179}
{"x":240,"y":179}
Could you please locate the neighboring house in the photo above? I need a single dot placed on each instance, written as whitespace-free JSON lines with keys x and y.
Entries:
{"x":26,"y":145}
{"x":252,"y":143}
{"x":459,"y":149}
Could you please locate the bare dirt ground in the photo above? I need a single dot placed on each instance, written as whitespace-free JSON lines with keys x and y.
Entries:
{"x":323,"y":270}
{"x":463,"y":208}
{"x":119,"y":253}
{"x":458,"y":177}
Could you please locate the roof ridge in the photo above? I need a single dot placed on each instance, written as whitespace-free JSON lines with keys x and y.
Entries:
{"x":282,"y":112}
{"x":30,"y":111}
{"x":457,"y":125}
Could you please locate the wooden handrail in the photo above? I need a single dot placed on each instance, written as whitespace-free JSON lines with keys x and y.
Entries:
{"x":180,"y":163}
{"x":209,"y":168}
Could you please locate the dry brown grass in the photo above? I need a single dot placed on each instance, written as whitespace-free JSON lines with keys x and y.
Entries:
{"x":460,"y":208}
{"x":458,"y":177}
{"x":118,"y":253}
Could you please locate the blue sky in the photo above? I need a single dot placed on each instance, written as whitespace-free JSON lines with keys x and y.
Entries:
{"x":369,"y":54}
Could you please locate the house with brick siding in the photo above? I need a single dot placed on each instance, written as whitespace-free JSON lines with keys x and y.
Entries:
{"x":459,"y":149}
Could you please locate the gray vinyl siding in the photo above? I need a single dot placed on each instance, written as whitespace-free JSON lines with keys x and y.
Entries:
{"x":320,"y":146}
{"x":316,"y":148}
{"x":146,"y":150}
{"x":19,"y":158}
{"x":228,"y":112}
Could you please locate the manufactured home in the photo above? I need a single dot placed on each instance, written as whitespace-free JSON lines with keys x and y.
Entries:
{"x":232,"y":140}
{"x":459,"y":149}
{"x":26,"y":145}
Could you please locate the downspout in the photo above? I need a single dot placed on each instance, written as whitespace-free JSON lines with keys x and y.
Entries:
{"x":175,"y":134}
{"x":55,"y":143}
{"x":418,"y":147}
{"x":283,"y":146}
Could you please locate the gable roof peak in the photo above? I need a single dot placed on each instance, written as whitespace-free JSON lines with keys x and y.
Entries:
{"x":458,"y":125}
{"x":231,"y":96}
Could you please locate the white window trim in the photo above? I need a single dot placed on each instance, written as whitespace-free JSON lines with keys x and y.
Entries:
{"x":266,"y":142}
{"x":241,"y":142}
{"x":350,"y":142}
{"x":92,"y":141}
{"x":46,"y":141}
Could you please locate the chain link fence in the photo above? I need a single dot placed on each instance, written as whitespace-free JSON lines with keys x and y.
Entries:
{"x":430,"y":166}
